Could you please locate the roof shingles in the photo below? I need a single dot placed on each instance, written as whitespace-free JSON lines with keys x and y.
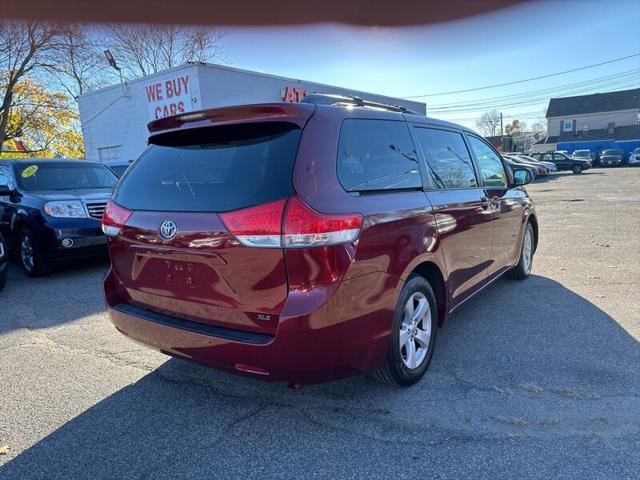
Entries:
{"x":597,"y":102}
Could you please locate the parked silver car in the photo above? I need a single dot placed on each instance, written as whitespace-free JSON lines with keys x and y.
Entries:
{"x":550,"y":166}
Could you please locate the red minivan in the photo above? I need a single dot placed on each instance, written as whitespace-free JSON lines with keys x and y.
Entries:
{"x":308,"y":242}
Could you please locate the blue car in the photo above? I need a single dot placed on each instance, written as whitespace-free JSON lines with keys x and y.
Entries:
{"x":51,"y":210}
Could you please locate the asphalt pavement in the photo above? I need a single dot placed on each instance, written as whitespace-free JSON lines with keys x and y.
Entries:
{"x":533,"y":379}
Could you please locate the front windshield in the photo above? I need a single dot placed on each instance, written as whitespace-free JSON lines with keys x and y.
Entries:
{"x":63,"y":176}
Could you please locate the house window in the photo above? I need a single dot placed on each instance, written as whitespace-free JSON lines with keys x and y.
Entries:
{"x":567,"y":125}
{"x":107,"y":154}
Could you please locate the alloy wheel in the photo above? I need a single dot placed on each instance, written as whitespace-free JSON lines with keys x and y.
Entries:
{"x":527,"y":250}
{"x":27,"y":253}
{"x":415,"y":331}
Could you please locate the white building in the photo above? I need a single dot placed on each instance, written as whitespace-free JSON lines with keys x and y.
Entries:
{"x":114,"y":119}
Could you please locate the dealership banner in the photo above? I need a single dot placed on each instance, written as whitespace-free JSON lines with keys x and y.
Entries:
{"x":170,"y":96}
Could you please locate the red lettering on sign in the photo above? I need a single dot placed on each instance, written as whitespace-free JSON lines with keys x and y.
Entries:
{"x":154,"y":92}
{"x":168,"y":87}
{"x":180,"y":106}
{"x":293,"y":94}
{"x":185,"y":81}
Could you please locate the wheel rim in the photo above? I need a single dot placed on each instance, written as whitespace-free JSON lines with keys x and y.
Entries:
{"x":527,"y":250}
{"x":415,"y":331}
{"x":26,"y":253}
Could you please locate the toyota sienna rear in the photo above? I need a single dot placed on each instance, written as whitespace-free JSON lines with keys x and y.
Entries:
{"x":299,"y":242}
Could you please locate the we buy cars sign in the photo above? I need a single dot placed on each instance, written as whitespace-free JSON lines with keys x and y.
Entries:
{"x":169,"y":96}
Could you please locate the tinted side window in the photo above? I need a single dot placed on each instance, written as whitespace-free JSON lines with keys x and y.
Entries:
{"x":490,"y":164}
{"x":447,"y":157}
{"x":558,"y":157}
{"x":377,"y":155}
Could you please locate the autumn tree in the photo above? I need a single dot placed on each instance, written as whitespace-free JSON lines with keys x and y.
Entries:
{"x":23,"y":48}
{"x":141,"y":50}
{"x":488,"y":123}
{"x":45,"y":121}
{"x":515,"y":129}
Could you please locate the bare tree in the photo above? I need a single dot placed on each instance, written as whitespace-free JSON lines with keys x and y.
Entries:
{"x":145,"y":49}
{"x":78,"y":62}
{"x":488,"y":123}
{"x":539,"y":129}
{"x":23,"y":48}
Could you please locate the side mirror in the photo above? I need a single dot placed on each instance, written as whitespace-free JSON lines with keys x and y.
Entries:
{"x":521,"y":176}
{"x":5,"y":191}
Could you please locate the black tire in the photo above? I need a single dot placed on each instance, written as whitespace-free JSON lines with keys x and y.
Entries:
{"x":395,"y":371}
{"x":576,"y":169}
{"x":523,"y":268}
{"x":4,"y":270}
{"x":4,"y":264}
{"x":39,"y":266}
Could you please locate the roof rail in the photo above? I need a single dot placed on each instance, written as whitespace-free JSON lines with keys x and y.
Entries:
{"x":348,"y":100}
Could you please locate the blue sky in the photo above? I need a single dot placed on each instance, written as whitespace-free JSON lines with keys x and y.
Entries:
{"x":531,"y":39}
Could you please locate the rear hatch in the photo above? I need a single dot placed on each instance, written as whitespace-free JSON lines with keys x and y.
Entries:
{"x":175,"y":255}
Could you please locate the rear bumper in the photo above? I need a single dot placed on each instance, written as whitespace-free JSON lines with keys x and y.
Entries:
{"x":327,"y":343}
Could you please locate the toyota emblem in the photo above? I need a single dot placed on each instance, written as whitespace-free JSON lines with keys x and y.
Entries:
{"x":168,"y":229}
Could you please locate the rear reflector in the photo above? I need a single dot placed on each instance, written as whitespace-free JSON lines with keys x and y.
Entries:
{"x":113,"y":218}
{"x":302,"y":227}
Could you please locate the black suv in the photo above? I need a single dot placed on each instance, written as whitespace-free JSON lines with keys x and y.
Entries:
{"x":50,"y":210}
{"x":563,"y":161}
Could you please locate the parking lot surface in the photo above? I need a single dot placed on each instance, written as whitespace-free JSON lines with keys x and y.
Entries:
{"x":533,"y":379}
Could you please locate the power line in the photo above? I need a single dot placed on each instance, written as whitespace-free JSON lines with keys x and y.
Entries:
{"x":527,"y":79}
{"x":615,"y":84}
{"x":549,"y":90}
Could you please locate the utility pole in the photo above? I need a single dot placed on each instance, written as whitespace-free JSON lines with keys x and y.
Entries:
{"x":502,"y":134}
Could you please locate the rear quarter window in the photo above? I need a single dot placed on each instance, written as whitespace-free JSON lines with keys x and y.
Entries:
{"x":213,"y":169}
{"x":377,"y":156}
{"x":448,"y":161}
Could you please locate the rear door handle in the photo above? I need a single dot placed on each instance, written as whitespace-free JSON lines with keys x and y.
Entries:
{"x":485,"y":203}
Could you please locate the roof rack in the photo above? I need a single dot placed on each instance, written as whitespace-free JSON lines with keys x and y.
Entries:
{"x":348,"y":100}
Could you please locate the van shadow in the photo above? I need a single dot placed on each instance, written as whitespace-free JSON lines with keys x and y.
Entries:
{"x":183,"y":420}
{"x":72,"y":291}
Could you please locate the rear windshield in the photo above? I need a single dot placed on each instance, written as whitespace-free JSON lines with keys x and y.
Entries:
{"x":63,"y":176}
{"x":581,"y":153}
{"x":215,"y":169}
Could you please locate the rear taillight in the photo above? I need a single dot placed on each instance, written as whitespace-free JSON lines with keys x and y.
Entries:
{"x":264,"y":226}
{"x":113,"y":218}
{"x":304,"y":227}
{"x":257,"y":226}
